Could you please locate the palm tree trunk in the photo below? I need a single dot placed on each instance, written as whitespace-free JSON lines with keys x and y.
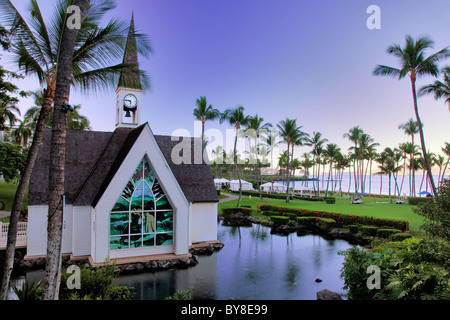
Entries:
{"x":287,"y":174}
{"x":57,"y":158}
{"x":21,"y":189}
{"x":237,"y":169}
{"x":422,"y":139}
{"x":390,"y":197}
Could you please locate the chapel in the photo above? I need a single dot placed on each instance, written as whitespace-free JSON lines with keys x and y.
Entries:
{"x":126,"y":192}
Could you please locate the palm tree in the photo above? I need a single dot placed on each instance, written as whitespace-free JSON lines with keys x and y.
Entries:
{"x":413,"y":63}
{"x":37,"y":50}
{"x":438,"y":88}
{"x":236,"y":118}
{"x":389,"y":168}
{"x":289,"y":131}
{"x":203,"y":113}
{"x":271,"y":141}
{"x":332,"y":151}
{"x":8,"y":110}
{"x":411,"y":128}
{"x":316,"y":141}
{"x":365,"y":143}
{"x":354,"y":135}
{"x":22,"y":133}
{"x":446,"y":150}
{"x":254,"y":127}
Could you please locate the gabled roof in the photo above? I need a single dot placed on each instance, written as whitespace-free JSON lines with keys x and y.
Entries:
{"x":93,"y":158}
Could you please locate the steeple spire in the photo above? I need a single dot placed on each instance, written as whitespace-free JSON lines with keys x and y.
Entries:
{"x":129,"y":77}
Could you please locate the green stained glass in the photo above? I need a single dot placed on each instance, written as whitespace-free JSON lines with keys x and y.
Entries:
{"x":142,"y":216}
{"x":164,"y":221}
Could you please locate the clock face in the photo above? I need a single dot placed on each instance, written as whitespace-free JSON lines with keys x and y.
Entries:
{"x":130,"y":101}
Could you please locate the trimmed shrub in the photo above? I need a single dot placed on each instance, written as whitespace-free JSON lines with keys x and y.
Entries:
{"x":270,"y":213}
{"x":368,"y":230}
{"x":279,"y":220}
{"x":218,"y":192}
{"x":353,"y":228}
{"x":231,"y":211}
{"x":399,"y":236}
{"x":291,"y":215}
{"x":326,"y":223}
{"x":330,"y":200}
{"x":306,"y":221}
{"x":385,"y":233}
{"x":340,"y":218}
{"x":419,"y":200}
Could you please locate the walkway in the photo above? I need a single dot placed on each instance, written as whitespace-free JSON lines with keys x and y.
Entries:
{"x":4,"y":214}
{"x":230,"y":197}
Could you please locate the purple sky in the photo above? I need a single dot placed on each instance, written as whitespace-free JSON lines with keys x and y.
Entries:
{"x":310,"y":60}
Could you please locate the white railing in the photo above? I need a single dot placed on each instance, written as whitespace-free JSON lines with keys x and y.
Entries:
{"x":21,"y":234}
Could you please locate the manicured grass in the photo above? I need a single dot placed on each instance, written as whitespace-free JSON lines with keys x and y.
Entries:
{"x":7,"y":193}
{"x":379,"y":208}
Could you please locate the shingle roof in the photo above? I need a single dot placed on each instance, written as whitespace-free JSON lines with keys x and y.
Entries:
{"x":93,"y":158}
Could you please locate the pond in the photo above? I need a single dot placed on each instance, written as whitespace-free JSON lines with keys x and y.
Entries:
{"x":253,"y":265}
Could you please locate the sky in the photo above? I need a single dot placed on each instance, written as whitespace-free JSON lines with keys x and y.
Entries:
{"x":309,"y":60}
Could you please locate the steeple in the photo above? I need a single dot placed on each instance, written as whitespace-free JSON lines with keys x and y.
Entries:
{"x":129,"y":88}
{"x":129,"y":77}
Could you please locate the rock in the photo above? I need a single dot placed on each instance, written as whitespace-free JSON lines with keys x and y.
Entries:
{"x":334,"y":232}
{"x":328,"y":295}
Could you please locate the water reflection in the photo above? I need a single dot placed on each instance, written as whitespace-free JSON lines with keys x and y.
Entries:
{"x":252,"y":265}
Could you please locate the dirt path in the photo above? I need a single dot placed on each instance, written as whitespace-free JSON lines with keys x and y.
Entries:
{"x":230,"y":197}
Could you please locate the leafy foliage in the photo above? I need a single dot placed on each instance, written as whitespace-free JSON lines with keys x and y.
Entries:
{"x":437,"y":215}
{"x":12,"y":161}
{"x":415,"y":269}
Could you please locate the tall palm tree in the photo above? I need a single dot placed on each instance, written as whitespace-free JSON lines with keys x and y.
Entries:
{"x":204,"y":112}
{"x":365,"y":143}
{"x":37,"y":49}
{"x":438,"y":88}
{"x":22,"y":133}
{"x":411,"y":128}
{"x":332,"y":151}
{"x":389,"y":168}
{"x":289,"y":132}
{"x":271,"y":141}
{"x":354,"y":135}
{"x":236,"y":118}
{"x":415,"y":64}
{"x":254,"y":128}
{"x":316,"y":141}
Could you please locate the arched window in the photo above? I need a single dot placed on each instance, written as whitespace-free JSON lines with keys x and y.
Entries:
{"x":142,"y":216}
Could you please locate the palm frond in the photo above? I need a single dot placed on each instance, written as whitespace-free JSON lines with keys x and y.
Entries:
{"x":42,"y":36}
{"x":106,"y":78}
{"x":382,"y":70}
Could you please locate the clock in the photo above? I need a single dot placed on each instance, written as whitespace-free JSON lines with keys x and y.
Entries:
{"x":130,"y":101}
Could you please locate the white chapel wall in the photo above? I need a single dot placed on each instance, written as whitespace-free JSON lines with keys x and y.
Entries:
{"x":203,"y":222}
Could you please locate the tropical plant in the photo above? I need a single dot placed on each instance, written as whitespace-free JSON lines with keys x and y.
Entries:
{"x":8,"y":113}
{"x":354,"y":135}
{"x":236,"y":118}
{"x":204,"y":112}
{"x":414,"y":269}
{"x":316,"y":141}
{"x":411,"y":128}
{"x":289,"y":132}
{"x":437,"y":214}
{"x":446,"y":150}
{"x":415,"y":64}
{"x":388,"y":167}
{"x":332,"y":151}
{"x":37,"y":50}
{"x":29,"y":291}
{"x":441,"y":90}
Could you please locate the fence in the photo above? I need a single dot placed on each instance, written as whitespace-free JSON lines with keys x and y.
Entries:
{"x":21,"y":240}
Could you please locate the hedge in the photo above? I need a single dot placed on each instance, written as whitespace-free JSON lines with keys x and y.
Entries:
{"x":264,"y":194}
{"x":326,"y":223}
{"x":306,"y":221}
{"x":279,"y":220}
{"x":399,"y":236}
{"x":419,"y":200}
{"x":386,"y":233}
{"x":353,"y":228}
{"x":368,"y":230}
{"x":340,"y":218}
{"x":243,"y":210}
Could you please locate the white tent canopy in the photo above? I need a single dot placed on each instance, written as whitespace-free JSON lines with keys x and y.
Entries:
{"x":234,"y":185}
{"x":220,"y":182}
{"x":273,"y":187}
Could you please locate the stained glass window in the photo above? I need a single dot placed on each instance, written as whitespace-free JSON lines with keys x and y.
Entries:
{"x":142,"y":216}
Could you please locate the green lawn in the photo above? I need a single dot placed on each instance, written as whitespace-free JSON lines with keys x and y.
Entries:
{"x":371,"y":207}
{"x":7,"y":193}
